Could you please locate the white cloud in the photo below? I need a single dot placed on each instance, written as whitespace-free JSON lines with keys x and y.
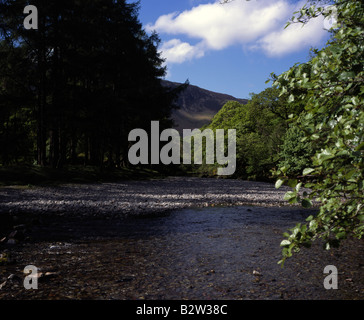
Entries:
{"x":252,"y":24}
{"x":292,"y":39}
{"x":176,"y":51}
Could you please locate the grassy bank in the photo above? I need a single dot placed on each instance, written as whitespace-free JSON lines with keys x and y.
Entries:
{"x":36,"y":175}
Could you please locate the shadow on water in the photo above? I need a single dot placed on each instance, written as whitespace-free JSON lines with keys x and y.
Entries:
{"x":185,"y":221}
{"x":196,"y":220}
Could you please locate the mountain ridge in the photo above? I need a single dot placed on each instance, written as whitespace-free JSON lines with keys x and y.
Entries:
{"x":197,"y":106}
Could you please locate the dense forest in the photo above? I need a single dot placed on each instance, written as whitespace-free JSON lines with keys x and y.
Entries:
{"x":71,"y":91}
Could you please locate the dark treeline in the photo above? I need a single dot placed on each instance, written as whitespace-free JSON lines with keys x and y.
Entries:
{"x":72,"y":90}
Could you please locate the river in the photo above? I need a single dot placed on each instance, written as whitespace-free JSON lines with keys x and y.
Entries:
{"x":194,"y":253}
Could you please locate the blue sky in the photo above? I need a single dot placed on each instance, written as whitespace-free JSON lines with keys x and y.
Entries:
{"x":230,"y":48}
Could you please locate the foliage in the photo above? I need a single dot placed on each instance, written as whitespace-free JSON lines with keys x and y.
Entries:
{"x":295,"y":154}
{"x":16,"y":113}
{"x":260,"y":127}
{"x":75,"y":87}
{"x":332,"y":86}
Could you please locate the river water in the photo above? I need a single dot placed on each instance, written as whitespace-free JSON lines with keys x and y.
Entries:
{"x":210,"y":253}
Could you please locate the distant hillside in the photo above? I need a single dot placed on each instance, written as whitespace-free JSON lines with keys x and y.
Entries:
{"x":198,"y":106}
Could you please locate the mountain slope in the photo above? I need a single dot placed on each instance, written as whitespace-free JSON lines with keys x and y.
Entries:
{"x":198,"y":106}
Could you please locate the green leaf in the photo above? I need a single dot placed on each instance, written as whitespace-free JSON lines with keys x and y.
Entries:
{"x":279,"y":183}
{"x":290,"y":195}
{"x":298,"y":186}
{"x":313,"y":224}
{"x":355,"y":100}
{"x":346,"y":75}
{"x":360,"y":147}
{"x":350,"y":174}
{"x":285,"y":243}
{"x":308,"y":171}
{"x":292,"y":183}
{"x":307,"y":203}
{"x":284,"y":169}
{"x":341,"y":235}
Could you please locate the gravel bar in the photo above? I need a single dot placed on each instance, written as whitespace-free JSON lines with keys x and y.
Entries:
{"x":139,"y":197}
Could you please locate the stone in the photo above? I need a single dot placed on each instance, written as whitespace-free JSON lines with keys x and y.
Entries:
{"x":2,"y":285}
{"x":11,"y":241}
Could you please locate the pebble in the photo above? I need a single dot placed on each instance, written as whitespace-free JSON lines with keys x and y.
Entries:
{"x":2,"y":285}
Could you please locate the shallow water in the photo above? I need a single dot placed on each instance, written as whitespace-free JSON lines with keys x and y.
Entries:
{"x":211,"y":253}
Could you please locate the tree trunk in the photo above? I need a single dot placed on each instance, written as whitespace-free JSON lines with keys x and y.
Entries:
{"x":41,"y":116}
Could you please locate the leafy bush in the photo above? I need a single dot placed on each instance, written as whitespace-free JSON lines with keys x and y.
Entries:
{"x":295,"y":154}
{"x":332,"y":85}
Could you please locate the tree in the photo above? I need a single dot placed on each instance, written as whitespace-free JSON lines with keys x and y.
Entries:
{"x":90,"y":74}
{"x":265,"y":126}
{"x":260,"y":127}
{"x":16,"y":101}
{"x":332,"y":86}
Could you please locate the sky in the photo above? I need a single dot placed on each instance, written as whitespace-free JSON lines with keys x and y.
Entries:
{"x":230,"y":48}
